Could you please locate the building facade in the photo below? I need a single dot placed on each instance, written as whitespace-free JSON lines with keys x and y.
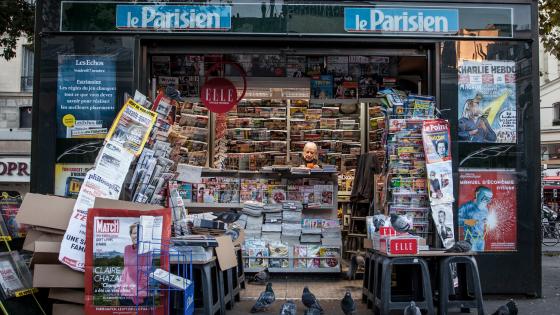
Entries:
{"x":16,"y":90}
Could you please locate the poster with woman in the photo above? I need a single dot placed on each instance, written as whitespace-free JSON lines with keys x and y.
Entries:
{"x":119,"y":259}
{"x":487,"y":215}
{"x":437,"y":144}
{"x":487,"y":101}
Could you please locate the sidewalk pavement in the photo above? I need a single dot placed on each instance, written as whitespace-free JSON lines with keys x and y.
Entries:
{"x":548,"y":304}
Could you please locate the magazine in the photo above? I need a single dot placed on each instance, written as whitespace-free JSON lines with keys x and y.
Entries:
{"x":487,"y":101}
{"x":440,"y":183}
{"x":443,"y":220}
{"x":322,"y":87}
{"x":132,"y":127}
{"x":117,"y":269}
{"x":437,"y":142}
{"x":15,"y":278}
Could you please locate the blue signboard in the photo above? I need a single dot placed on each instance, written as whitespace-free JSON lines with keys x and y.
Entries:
{"x":86,"y":96}
{"x":174,"y":17}
{"x":393,"y":20}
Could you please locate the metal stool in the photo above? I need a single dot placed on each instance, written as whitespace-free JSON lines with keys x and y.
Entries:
{"x":212,"y":302}
{"x":467,"y":271}
{"x":366,"y":283}
{"x":383,"y":302}
{"x":228,"y":288}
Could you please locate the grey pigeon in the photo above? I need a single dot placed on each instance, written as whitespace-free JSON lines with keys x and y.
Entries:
{"x":347,"y":304}
{"x":265,"y":300}
{"x":459,"y":247}
{"x":172,"y":92}
{"x":356,"y":261}
{"x":312,"y":311}
{"x":288,"y":308}
{"x":509,"y":309}
{"x":400,"y":223}
{"x":379,"y":221}
{"x":229,"y":216}
{"x":310,"y":301}
{"x":412,"y":309}
{"x":261,"y":277}
{"x":233,"y":233}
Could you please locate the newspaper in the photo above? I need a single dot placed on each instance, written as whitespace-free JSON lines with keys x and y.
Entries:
{"x":443,"y":220}
{"x":104,"y":180}
{"x":132,"y":127}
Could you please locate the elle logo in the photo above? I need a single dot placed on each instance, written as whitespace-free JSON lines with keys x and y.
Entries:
{"x":219,"y":95}
{"x":107,"y":226}
{"x":404,"y":246}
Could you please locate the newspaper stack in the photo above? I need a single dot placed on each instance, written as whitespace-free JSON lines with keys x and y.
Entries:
{"x":311,"y":235}
{"x":331,"y":236}
{"x":291,"y":211}
{"x":271,"y":231}
{"x":272,"y":208}
{"x":152,"y":173}
{"x":291,"y":233}
{"x":275,"y":217}
{"x":253,"y":227}
{"x":253,"y":208}
{"x":242,"y":221}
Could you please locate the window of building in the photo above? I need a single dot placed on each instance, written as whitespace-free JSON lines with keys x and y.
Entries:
{"x":27,"y":69}
{"x":556,"y":119}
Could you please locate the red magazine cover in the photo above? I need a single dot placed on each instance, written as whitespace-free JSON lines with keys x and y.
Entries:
{"x":487,"y":215}
{"x":121,"y":250}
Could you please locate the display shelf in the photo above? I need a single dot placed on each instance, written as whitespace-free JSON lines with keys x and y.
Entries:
{"x":296,"y":270}
{"x":357,"y":235}
{"x":210,"y":205}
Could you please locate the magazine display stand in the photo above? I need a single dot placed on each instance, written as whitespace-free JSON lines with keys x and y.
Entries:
{"x":168,"y":276}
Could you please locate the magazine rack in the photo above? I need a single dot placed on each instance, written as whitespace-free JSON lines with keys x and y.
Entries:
{"x":164,"y":277}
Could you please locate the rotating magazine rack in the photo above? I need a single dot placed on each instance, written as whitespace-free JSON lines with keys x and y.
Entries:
{"x":164,"y":278}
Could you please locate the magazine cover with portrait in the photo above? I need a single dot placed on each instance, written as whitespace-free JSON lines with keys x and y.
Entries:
{"x":118,"y":262}
{"x":437,"y":144}
{"x":443,"y":221}
{"x":487,"y":215}
{"x":440,"y":183}
{"x":487,"y":102}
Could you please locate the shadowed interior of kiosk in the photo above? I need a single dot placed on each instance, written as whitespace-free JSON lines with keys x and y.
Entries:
{"x":291,"y":98}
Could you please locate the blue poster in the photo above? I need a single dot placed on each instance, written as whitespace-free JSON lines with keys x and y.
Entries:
{"x":322,"y":86}
{"x":487,"y":102}
{"x":86,"y":96}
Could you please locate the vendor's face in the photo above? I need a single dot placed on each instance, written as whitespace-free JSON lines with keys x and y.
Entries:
{"x":134,"y":234}
{"x":309,"y":153}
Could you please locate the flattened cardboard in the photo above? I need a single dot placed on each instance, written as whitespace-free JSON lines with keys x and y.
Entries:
{"x":36,"y":235}
{"x":225,"y":253}
{"x":45,"y":253}
{"x":57,"y":276}
{"x":65,"y":309}
{"x":49,"y":230}
{"x":47,"y":211}
{"x":102,"y":203}
{"x":67,"y":295}
{"x":368,"y":243}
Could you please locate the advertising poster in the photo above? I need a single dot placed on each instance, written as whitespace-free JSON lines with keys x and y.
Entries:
{"x":488,"y":209}
{"x":86,"y":95}
{"x":104,"y":181}
{"x":487,"y":102}
{"x":437,"y":144}
{"x":132,"y":127}
{"x":68,"y":178}
{"x":120,"y":258}
{"x":443,"y":221}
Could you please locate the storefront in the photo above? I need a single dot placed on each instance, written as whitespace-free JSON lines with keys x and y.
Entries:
{"x":289,"y":62}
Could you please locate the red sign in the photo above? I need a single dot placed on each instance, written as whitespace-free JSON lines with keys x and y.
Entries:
{"x":403,"y":246}
{"x":219,"y":95}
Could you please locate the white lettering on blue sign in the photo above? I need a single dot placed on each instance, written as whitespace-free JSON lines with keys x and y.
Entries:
{"x":174,"y":17}
{"x":401,"y":20}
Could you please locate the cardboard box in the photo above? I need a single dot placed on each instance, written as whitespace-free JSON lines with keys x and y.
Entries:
{"x":67,"y":295}
{"x":45,"y":211}
{"x":368,"y":244}
{"x":57,"y":276}
{"x":45,"y":253}
{"x":36,"y":235}
{"x":65,"y":309}
{"x":225,"y":252}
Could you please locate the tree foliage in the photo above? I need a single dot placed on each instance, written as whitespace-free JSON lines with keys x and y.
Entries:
{"x":16,"y":21}
{"x":549,"y":25}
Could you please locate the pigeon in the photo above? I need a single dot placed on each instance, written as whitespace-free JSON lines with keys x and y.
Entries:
{"x":310,"y":301}
{"x":261,"y":277}
{"x":459,"y":247}
{"x":347,"y":304}
{"x":412,"y":309}
{"x":265,"y":300}
{"x":509,"y":309}
{"x":379,"y":221}
{"x":288,"y":308}
{"x":229,"y":216}
{"x":174,"y":94}
{"x":356,"y":262}
{"x":401,"y":223}
{"x":312,"y":311}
